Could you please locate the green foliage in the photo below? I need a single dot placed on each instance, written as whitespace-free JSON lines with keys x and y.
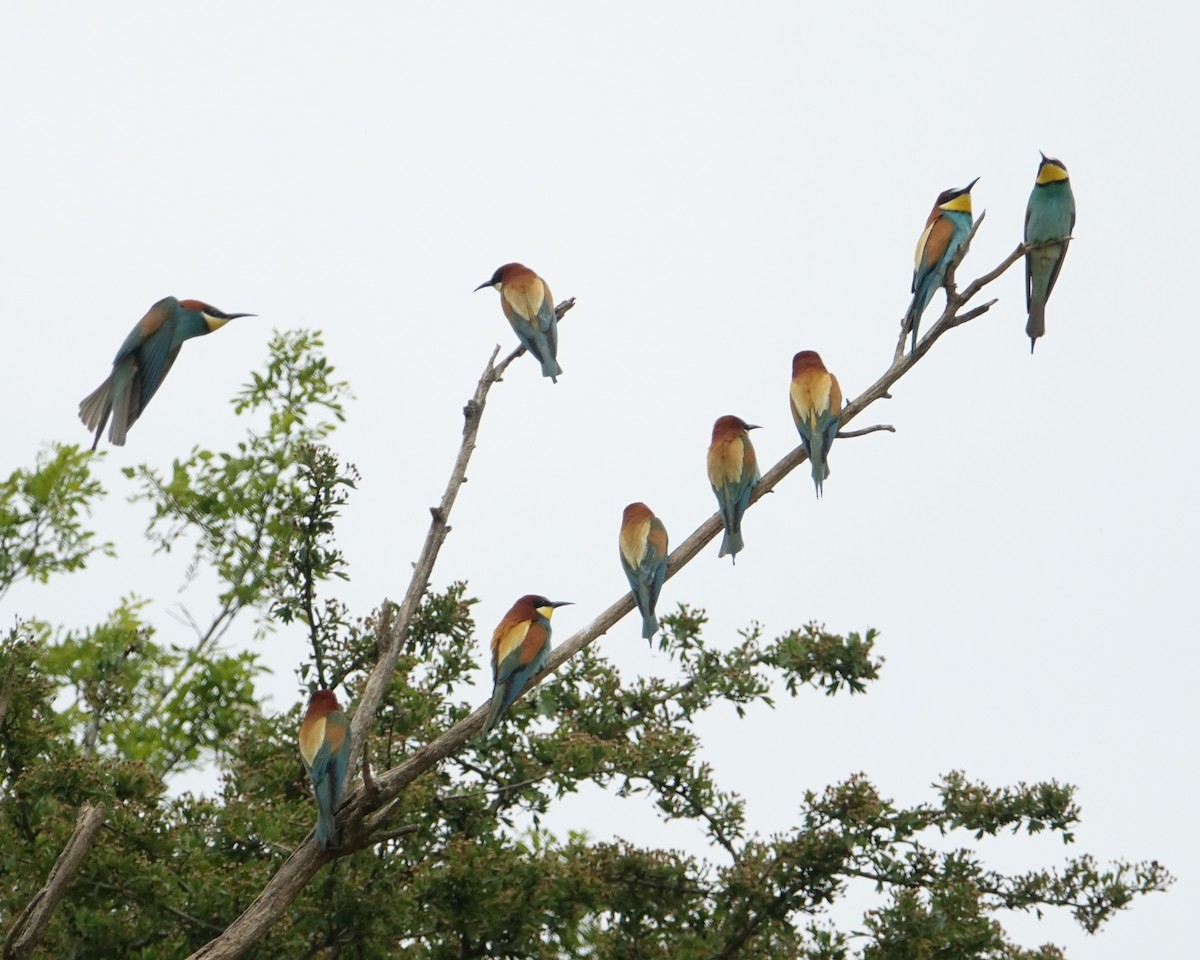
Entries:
{"x":245,"y":509}
{"x":41,"y":517}
{"x":462,"y":866}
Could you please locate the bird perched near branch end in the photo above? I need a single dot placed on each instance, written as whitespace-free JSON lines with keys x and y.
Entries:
{"x":529,"y":307}
{"x":948,"y":226}
{"x":1049,"y":216}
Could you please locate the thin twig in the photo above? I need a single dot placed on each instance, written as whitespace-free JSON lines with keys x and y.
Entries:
{"x":845,"y":434}
{"x":29,"y":927}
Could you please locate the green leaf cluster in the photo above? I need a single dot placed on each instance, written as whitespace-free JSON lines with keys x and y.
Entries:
{"x":463,"y":865}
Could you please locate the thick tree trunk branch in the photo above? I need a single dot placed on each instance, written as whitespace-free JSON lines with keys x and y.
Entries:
{"x":29,"y":927}
{"x":365,"y":815}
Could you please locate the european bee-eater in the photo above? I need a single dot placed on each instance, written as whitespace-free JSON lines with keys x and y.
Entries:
{"x":325,"y":750}
{"x":816,"y":401}
{"x":143,"y":362}
{"x":948,"y":226}
{"x":520,"y":650}
{"x":1049,"y":216}
{"x":529,"y":307}
{"x":643,"y":543}
{"x":733,"y":472}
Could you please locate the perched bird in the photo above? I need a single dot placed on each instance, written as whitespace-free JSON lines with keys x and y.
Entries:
{"x":948,"y":226}
{"x":733,"y":472}
{"x":529,"y":306}
{"x":1049,"y":216}
{"x":325,"y":750}
{"x":520,"y":650}
{"x":143,"y":362}
{"x":816,"y":401}
{"x":643,"y":545}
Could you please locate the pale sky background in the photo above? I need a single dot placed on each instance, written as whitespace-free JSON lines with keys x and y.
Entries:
{"x":719,"y":186}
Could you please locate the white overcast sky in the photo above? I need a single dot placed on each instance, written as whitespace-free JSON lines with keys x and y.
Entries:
{"x":719,"y":186}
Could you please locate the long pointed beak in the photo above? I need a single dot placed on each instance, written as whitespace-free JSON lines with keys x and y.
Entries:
{"x":562,"y":603}
{"x":967,"y":188}
{"x":1044,"y":157}
{"x":234,"y":316}
{"x":486,"y":283}
{"x":753,"y":426}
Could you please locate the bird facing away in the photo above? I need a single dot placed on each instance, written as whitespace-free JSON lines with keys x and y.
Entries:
{"x":733,"y":472}
{"x":949,"y":224}
{"x":529,"y":307}
{"x":816,"y":401}
{"x":520,"y":650}
{"x":643,"y":544}
{"x":143,"y":362}
{"x":1049,"y":216}
{"x":325,"y":751}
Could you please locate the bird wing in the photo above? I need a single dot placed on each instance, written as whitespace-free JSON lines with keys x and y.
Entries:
{"x":312,"y":742}
{"x":932,"y":246}
{"x":656,"y":557}
{"x":506,"y":642}
{"x":834,"y":415}
{"x":154,"y":368}
{"x":547,"y":318}
{"x":633,"y":542}
{"x":337,"y":739}
{"x":1028,"y":275}
{"x":145,"y":328}
{"x":726,"y":461}
{"x":523,"y":658}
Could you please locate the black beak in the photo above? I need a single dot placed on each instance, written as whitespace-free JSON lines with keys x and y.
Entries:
{"x":753,"y":426}
{"x":486,"y":283}
{"x":562,"y":603}
{"x":234,"y":316}
{"x":967,"y":188}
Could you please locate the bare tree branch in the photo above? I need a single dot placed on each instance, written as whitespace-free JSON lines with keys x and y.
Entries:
{"x":391,"y":645}
{"x":846,"y":434}
{"x":29,"y":927}
{"x":365,"y":814}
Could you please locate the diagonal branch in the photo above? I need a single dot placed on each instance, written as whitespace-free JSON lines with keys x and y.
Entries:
{"x":391,"y":783}
{"x":29,"y":927}
{"x":365,"y":814}
{"x":391,"y":645}
{"x":308,"y":858}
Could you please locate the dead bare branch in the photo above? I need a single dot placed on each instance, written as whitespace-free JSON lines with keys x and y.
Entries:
{"x":365,"y":814}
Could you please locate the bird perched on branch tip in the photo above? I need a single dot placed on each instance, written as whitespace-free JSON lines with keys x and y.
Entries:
{"x":529,"y":307}
{"x":1050,"y":216}
{"x":946,"y":230}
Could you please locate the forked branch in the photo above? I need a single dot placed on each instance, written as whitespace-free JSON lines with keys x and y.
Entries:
{"x":365,"y":814}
